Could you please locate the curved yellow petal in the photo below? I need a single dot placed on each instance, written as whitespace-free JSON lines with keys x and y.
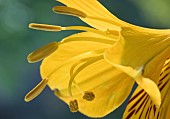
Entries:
{"x":89,"y":36}
{"x":102,"y":79}
{"x":109,"y":93}
{"x":136,"y":47}
{"x":167,"y":113}
{"x":73,"y":48}
{"x":54,"y":69}
{"x":154,"y":67}
{"x":95,"y":9}
{"x":132,"y":56}
{"x":140,"y":49}
{"x":140,"y":105}
{"x":148,"y":85}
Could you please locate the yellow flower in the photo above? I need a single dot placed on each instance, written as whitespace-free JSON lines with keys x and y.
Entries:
{"x":94,"y":71}
{"x":141,"y":106}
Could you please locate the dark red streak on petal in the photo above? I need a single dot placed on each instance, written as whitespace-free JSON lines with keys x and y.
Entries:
{"x":137,"y":102}
{"x":135,"y":96}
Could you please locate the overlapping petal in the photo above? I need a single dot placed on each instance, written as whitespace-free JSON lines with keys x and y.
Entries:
{"x":73,"y":48}
{"x":137,"y":48}
{"x":103,"y":80}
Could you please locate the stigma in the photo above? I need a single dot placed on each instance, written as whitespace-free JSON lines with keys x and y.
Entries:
{"x":89,"y":96}
{"x":73,"y":105}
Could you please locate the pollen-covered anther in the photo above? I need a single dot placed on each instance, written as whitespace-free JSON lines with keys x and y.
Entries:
{"x":45,"y":27}
{"x":69,"y":11}
{"x":42,"y":52}
{"x":73,"y":105}
{"x":36,"y":91}
{"x":89,"y":96}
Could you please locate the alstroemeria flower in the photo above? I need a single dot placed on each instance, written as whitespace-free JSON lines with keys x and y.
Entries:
{"x":141,"y":106}
{"x":94,"y":71}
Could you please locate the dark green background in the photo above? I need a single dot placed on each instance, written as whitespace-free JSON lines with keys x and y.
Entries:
{"x":17,"y":76}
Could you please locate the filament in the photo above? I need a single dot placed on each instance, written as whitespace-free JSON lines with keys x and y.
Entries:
{"x":89,"y":62}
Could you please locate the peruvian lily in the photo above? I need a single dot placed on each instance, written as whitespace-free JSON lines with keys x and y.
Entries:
{"x":94,"y":71}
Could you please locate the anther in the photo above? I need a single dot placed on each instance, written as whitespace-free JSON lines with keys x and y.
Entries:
{"x":42,"y":52}
{"x":73,"y":105}
{"x":69,"y":11}
{"x":45,"y":27}
{"x":89,"y":96}
{"x":36,"y":91}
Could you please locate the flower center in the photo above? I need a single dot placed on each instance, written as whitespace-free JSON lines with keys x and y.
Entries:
{"x":75,"y":69}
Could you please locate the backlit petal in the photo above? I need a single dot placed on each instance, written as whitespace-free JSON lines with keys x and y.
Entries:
{"x":68,"y":50}
{"x":103,"y":80}
{"x":136,"y":53}
{"x":148,"y":85}
{"x":136,"y":47}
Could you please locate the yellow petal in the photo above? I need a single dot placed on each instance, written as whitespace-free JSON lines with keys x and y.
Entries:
{"x":136,"y":47}
{"x":89,"y":36}
{"x":167,"y":113}
{"x":95,"y":9}
{"x":68,"y":50}
{"x":100,"y":78}
{"x":164,"y":86}
{"x":148,"y":85}
{"x":149,"y":71}
{"x":140,"y":105}
{"x":153,"y":68}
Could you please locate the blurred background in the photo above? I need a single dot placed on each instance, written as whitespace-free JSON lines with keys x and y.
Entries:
{"x":17,"y":76}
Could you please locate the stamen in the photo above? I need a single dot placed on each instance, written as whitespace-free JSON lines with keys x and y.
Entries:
{"x":71,"y":73}
{"x":42,"y":52}
{"x":73,"y":105}
{"x":69,"y":11}
{"x":45,"y":27}
{"x":89,"y":96}
{"x":36,"y":91}
{"x":83,"y":66}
